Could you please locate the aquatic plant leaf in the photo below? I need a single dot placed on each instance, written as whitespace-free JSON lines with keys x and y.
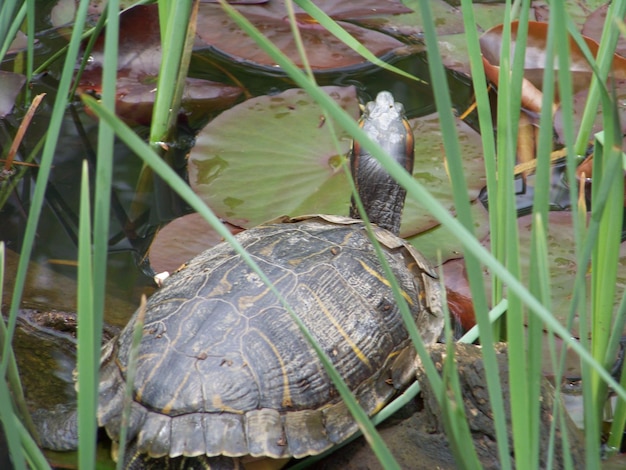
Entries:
{"x":618,"y":91}
{"x":19,"y":43}
{"x":490,"y":43}
{"x":182,"y":239}
{"x":430,"y":170}
{"x":448,"y":21}
{"x":561,"y":261}
{"x":439,"y":245}
{"x":138,"y":67}
{"x":273,"y":156}
{"x":96,"y":7}
{"x":324,"y":51}
{"x":594,"y":23}
{"x":577,"y":12}
{"x":12,"y":83}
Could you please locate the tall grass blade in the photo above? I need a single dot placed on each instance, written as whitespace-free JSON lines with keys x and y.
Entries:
{"x":175,"y":57}
{"x":619,"y":419}
{"x":92,"y":265}
{"x":606,"y":253}
{"x":606,"y":164}
{"x":7,"y":415}
{"x":43,"y":175}
{"x":9,"y":422}
{"x":451,"y":401}
{"x":538,"y":275}
{"x":9,"y":34}
{"x":508,"y":247}
{"x":30,"y":52}
{"x":87,"y":350}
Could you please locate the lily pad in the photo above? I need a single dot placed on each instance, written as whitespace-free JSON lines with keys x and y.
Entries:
{"x":594,"y":24}
{"x":430,"y":170}
{"x":181,"y":240}
{"x":448,"y":22}
{"x":447,"y":19}
{"x":535,"y":63}
{"x":63,"y":13}
{"x":439,"y":245}
{"x":561,"y":261}
{"x":138,"y":68}
{"x":271,"y":156}
{"x":618,"y":90}
{"x":19,"y":43}
{"x":577,"y":11}
{"x":324,"y":51}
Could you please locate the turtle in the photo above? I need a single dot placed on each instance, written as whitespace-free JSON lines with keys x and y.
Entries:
{"x":224,"y":373}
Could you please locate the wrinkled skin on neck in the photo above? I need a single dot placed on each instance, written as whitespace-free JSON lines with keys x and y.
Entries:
{"x":383,"y":198}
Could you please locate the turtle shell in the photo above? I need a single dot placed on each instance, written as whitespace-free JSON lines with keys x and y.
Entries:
{"x":222,"y":367}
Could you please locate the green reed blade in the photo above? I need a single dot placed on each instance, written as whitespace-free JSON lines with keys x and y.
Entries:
{"x":88,"y":352}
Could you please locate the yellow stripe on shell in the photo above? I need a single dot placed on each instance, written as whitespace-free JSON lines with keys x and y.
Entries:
{"x":357,"y":351}
{"x":385,"y":281}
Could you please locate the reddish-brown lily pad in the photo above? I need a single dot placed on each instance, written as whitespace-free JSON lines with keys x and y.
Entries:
{"x":324,"y":51}
{"x":181,"y":240}
{"x":439,"y":245}
{"x":138,"y":67}
{"x":535,"y":60}
{"x":594,"y":24}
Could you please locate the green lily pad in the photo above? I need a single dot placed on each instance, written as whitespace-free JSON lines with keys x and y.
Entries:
{"x":271,"y":156}
{"x":430,"y":170}
{"x":440,"y":245}
{"x":562,"y":261}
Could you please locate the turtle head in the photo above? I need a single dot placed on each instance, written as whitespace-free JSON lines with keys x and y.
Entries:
{"x":383,"y":198}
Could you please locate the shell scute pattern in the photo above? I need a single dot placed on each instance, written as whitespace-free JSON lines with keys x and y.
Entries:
{"x":220,"y":356}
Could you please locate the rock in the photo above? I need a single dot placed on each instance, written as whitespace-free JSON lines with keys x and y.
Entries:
{"x":419,"y":442}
